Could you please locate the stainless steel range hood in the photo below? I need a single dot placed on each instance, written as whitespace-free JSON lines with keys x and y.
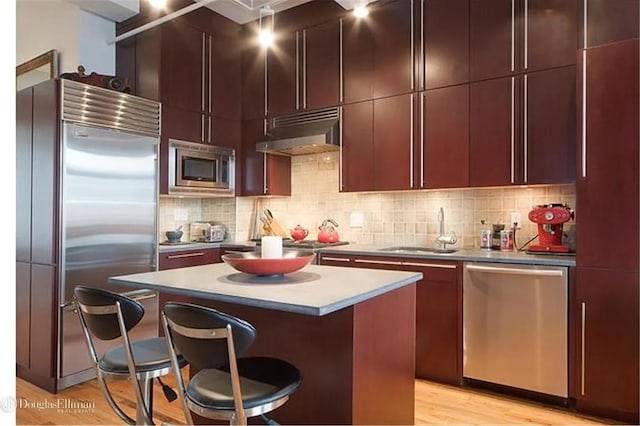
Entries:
{"x":307,"y":132}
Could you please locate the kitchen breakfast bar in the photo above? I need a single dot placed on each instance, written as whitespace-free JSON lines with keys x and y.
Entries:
{"x":350,"y":331}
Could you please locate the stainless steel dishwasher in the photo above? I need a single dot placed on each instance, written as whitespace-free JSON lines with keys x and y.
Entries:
{"x":515,"y":326}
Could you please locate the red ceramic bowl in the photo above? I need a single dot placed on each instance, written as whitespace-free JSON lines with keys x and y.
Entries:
{"x":253,"y":263}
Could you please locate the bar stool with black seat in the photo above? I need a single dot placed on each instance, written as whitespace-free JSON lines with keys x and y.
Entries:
{"x":227,"y":386}
{"x":107,"y":315}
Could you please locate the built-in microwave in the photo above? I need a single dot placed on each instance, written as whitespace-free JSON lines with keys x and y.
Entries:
{"x":201,"y":170}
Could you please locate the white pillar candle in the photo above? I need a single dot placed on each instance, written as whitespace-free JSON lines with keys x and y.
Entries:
{"x":271,"y":247}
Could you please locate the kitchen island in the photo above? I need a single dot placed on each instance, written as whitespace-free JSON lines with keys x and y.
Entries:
{"x":350,"y":331}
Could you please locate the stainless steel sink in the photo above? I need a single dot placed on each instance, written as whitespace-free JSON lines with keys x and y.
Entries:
{"x":409,"y":249}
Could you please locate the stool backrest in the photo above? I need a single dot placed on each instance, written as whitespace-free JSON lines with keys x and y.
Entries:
{"x":98,"y":308}
{"x":193,"y":331}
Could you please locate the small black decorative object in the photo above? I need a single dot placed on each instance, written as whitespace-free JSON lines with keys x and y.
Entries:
{"x":105,"y":81}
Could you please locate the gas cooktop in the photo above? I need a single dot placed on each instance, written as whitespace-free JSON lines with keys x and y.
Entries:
{"x":311,"y":244}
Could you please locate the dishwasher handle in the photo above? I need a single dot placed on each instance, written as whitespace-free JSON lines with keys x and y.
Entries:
{"x":516,"y":271}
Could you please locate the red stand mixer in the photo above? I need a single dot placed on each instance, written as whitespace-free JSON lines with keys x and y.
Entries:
{"x":550,"y":219}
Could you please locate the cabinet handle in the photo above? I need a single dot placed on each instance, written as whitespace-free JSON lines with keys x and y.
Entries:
{"x":583,"y":332}
{"x":377,"y":262}
{"x":341,"y":65}
{"x":202,"y":127}
{"x":413,"y":59}
{"x":297,"y":70}
{"x":335,"y":259}
{"x":209,"y":137}
{"x":411,"y":144}
{"x":210,"y":74}
{"x":180,"y":256}
{"x":513,"y":35}
{"x":340,"y":158}
{"x":513,"y":130}
{"x":423,"y":59}
{"x":264,"y":172}
{"x":266,"y":86}
{"x":526,"y":129}
{"x":204,"y":60}
{"x":304,"y":68}
{"x":526,"y":34}
{"x":583,"y":147}
{"x":430,"y":265}
{"x":516,"y":271}
{"x":422,"y":113}
{"x":584,"y":24}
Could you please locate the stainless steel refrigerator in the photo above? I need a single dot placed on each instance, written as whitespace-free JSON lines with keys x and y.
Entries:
{"x":108,"y":194}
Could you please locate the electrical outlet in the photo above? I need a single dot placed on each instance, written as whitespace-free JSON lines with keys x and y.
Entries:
{"x":356,"y":220}
{"x":516,"y":218}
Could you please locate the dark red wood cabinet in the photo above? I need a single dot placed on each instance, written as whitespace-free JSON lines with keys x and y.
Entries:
{"x":253,"y":72}
{"x":438,"y":311}
{"x":393,"y":63}
{"x":444,"y":43}
{"x":282,"y":74}
{"x":610,"y":21}
{"x":393,"y":142}
{"x":509,"y":37}
{"x":321,"y":65}
{"x":262,"y":174}
{"x":444,"y":129}
{"x":606,"y":370}
{"x":608,"y":180}
{"x":356,"y":157}
{"x":357,"y":57}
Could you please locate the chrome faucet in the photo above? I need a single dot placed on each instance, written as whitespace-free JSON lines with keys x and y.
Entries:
{"x":442,"y":240}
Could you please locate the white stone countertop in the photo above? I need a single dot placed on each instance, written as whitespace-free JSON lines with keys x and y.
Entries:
{"x":314,"y":290}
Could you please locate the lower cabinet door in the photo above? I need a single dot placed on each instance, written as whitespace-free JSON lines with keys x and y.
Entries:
{"x":606,"y":367}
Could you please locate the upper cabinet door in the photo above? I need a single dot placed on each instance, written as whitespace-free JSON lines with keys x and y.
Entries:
{"x":550,"y":34}
{"x":225,"y":78}
{"x":321,"y":66}
{"x":254,"y":101}
{"x":492,"y":39}
{"x":393,"y":133}
{"x":444,"y":45}
{"x":356,"y":173}
{"x":610,"y":21}
{"x":549,"y":126}
{"x":357,"y":54}
{"x":184,"y":67}
{"x":393,"y":44}
{"x":283,"y":69}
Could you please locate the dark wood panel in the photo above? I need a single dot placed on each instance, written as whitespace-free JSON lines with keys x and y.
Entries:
{"x":278,"y":175}
{"x":490,"y":132}
{"x":24,"y":122}
{"x":550,"y":126}
{"x":357,"y":147}
{"x":225,"y":132}
{"x":384,"y":359}
{"x":184,"y":71}
{"x":610,"y":21}
{"x":322,"y":52}
{"x":253,"y":79}
{"x":44,"y":312}
{"x":552,"y":34}
{"x":609,"y":192}
{"x":611,"y":317}
{"x":253,"y":162}
{"x":446,"y":42}
{"x":148,"y":64}
{"x":226,"y":78}
{"x":184,"y":125}
{"x":392,"y":65}
{"x":392,"y":141}
{"x":126,"y":61}
{"x":23,"y":313}
{"x":446,"y":137}
{"x":281,"y":75}
{"x":490,"y":40}
{"x":46,"y":133}
{"x":357,"y":40}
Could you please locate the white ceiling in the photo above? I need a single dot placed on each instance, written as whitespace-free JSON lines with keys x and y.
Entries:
{"x":240,"y":11}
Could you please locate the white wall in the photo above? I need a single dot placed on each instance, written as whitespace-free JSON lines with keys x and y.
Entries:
{"x":78,"y":36}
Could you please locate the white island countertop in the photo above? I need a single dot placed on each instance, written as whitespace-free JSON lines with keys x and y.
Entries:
{"x":314,"y":290}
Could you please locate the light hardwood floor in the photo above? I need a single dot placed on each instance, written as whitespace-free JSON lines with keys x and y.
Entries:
{"x":435,"y":404}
